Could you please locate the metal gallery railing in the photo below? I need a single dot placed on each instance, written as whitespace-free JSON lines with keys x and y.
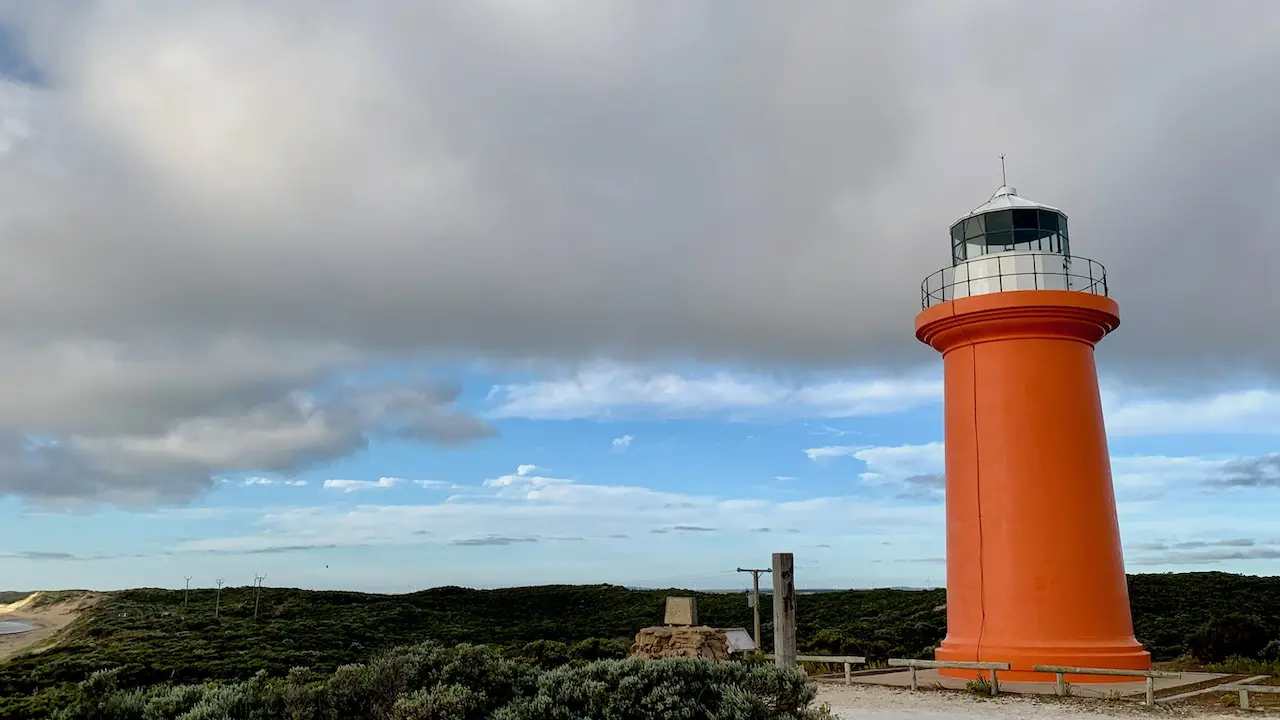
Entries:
{"x":1075,"y":274}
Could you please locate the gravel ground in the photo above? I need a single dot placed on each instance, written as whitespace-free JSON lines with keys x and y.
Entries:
{"x":866,"y":702}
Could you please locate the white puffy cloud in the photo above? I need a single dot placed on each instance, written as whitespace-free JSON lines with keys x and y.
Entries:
{"x":549,"y":508}
{"x":1254,"y":410}
{"x":348,"y":486}
{"x":621,"y":443}
{"x":257,"y":480}
{"x":609,"y":390}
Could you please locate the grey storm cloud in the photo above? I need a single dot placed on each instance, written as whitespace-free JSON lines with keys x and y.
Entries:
{"x":682,"y":529}
{"x":493,"y":540}
{"x":1195,"y":544}
{"x":1256,"y":472}
{"x":1206,"y":556}
{"x":210,"y":209}
{"x":40,"y":555}
{"x":178,"y":463}
{"x":923,"y":487}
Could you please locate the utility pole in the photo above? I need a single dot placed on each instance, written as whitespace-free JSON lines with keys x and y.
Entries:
{"x":257,"y":592}
{"x":186,"y":592}
{"x":217,"y":599}
{"x":755,"y":598}
{"x":784,"y":609}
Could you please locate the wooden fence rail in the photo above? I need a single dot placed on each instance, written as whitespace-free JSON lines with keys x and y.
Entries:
{"x":847,"y":660}
{"x":916,"y":665}
{"x":1063,"y":670}
{"x":1244,"y":691}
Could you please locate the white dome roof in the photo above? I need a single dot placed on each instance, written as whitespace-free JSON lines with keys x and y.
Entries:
{"x":1006,"y":198}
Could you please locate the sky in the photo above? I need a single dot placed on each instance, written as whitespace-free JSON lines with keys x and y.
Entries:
{"x":385,"y":296}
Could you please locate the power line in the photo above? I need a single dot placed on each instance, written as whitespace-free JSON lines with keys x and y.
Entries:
{"x":217,"y":599}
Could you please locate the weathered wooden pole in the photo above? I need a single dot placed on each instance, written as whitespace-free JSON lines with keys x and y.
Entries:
{"x":784,"y":609}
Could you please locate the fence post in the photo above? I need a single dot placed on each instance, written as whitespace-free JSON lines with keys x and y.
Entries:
{"x":1151,"y":691}
{"x":995,"y":683}
{"x":848,"y":672}
{"x":1244,"y":699}
{"x":913,"y":678}
{"x":784,"y":609}
{"x":1062,"y":685}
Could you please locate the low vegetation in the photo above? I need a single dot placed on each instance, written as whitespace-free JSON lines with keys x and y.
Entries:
{"x":433,"y":682}
{"x":149,"y":638}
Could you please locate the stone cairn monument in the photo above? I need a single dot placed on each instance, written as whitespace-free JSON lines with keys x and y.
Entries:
{"x":681,"y":636}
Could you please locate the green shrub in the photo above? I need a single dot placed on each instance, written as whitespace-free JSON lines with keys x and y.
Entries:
{"x":467,"y":682}
{"x":1271,"y":653}
{"x":1233,"y":635}
{"x":683,"y":689}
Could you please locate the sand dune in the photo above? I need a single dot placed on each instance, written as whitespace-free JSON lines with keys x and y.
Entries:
{"x":49,"y":620}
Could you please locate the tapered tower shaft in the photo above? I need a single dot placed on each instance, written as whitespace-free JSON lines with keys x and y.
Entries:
{"x":1035,"y":572}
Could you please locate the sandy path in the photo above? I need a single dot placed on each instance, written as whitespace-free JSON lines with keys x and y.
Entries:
{"x":865,"y":702}
{"x":48,"y":620}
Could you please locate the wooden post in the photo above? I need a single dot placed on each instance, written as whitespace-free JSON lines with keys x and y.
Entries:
{"x":1244,"y":699}
{"x":784,"y":609}
{"x":1062,"y":685}
{"x":848,"y":673}
{"x":914,"y":684}
{"x":995,"y":683}
{"x":1151,"y":691}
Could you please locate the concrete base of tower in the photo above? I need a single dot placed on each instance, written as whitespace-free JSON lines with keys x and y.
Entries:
{"x":1115,"y":656}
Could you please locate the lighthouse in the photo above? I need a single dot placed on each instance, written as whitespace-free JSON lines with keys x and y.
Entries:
{"x":1035,"y":573}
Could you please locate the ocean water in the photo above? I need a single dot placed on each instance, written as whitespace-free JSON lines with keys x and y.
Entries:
{"x":9,"y":627}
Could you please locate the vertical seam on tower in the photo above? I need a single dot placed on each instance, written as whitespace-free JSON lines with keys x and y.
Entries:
{"x":977,"y":481}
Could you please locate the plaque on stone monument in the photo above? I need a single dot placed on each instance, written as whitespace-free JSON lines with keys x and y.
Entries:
{"x":681,"y":611}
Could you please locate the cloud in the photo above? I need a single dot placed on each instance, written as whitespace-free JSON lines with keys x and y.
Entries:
{"x":39,"y":555}
{"x":348,"y":486}
{"x":1241,"y":411}
{"x":898,"y":461}
{"x":918,"y":471}
{"x":620,"y":444}
{"x":499,"y":151}
{"x":494,"y":540}
{"x":1257,"y":472}
{"x":280,"y":549}
{"x":532,"y":506}
{"x":609,"y":390}
{"x":1205,"y":552}
{"x":257,"y":480}
{"x":292,"y":433}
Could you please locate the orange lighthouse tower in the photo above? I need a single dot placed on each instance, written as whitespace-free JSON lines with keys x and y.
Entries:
{"x":1035,"y":574}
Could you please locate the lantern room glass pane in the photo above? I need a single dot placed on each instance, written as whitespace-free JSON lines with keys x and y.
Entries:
{"x":1028,"y":238}
{"x":1025,"y":219}
{"x":1048,"y":220}
{"x":974,"y":227}
{"x":998,"y":241}
{"x":999,"y":221}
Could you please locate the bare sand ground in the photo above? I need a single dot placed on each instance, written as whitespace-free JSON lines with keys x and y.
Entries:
{"x":867,"y":702}
{"x":48,"y":619}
